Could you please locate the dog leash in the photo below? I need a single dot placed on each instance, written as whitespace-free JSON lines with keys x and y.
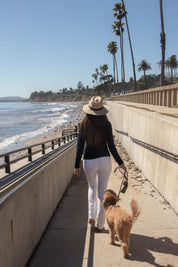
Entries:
{"x":124,"y":183}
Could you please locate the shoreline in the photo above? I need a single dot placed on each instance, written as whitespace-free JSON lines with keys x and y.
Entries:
{"x":57,"y":132}
{"x":18,"y":141}
{"x":46,"y":137}
{"x":32,"y":141}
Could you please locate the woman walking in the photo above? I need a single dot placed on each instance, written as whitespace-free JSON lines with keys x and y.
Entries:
{"x":96,"y":137}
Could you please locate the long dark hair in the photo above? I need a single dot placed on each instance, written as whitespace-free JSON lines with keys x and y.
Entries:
{"x":92,"y":129}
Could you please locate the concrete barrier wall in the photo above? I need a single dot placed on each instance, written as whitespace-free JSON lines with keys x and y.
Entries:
{"x":27,"y":209}
{"x":157,"y":130}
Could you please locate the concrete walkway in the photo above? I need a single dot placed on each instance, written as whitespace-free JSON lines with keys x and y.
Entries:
{"x":168,"y":111}
{"x":69,"y":241}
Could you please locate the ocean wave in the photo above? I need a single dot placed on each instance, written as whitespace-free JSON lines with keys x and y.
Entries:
{"x":57,"y":118}
{"x":48,"y":110}
{"x":49,"y":104}
{"x":17,"y":141}
{"x":29,"y":121}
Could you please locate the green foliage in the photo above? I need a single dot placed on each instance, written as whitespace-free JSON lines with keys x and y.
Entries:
{"x":104,"y":89}
{"x":81,"y":93}
{"x":143,"y":66}
{"x":112,"y":47}
{"x":171,"y":65}
{"x":152,"y":81}
{"x":80,"y":86}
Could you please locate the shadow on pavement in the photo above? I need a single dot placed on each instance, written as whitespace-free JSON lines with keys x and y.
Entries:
{"x":63,"y":242}
{"x":91,"y":247}
{"x":141,"y":247}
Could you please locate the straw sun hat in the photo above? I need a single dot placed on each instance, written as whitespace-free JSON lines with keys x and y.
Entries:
{"x":95,"y":107}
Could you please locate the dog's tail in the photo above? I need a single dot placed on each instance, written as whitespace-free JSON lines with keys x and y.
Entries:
{"x":135,"y":210}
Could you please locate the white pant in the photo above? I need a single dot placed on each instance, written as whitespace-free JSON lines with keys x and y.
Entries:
{"x":97,"y":168}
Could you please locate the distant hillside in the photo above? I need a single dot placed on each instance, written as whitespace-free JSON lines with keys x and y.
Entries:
{"x":12,"y":99}
{"x":58,"y":97}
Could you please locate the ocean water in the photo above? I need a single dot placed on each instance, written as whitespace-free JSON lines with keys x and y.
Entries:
{"x":21,"y":121}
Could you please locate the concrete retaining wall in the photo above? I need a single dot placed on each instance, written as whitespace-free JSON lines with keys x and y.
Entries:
{"x":26,"y":210}
{"x":157,"y":130}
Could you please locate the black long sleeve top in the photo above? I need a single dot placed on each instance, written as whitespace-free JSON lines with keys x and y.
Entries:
{"x":91,"y":152}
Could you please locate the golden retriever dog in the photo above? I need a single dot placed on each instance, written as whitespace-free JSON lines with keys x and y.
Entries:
{"x":118,"y":219}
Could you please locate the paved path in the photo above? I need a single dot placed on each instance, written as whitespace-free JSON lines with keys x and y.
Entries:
{"x":69,"y":241}
{"x":154,"y":108}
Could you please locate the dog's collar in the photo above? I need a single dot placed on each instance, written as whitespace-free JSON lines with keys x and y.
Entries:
{"x":115,"y":206}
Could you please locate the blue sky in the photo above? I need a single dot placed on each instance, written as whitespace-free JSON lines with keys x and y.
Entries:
{"x":54,"y":44}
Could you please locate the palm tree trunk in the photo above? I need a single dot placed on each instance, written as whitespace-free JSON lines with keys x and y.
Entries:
{"x":131,"y":50}
{"x":114,"y":69}
{"x":122,"y":57}
{"x":171,"y":75}
{"x":144,"y":77}
{"x":163,"y":44}
{"x":117,"y":76}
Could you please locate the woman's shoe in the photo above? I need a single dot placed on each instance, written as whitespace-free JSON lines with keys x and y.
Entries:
{"x":97,"y":230}
{"x":91,"y":221}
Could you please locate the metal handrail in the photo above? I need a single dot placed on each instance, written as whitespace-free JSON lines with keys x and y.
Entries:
{"x":155,"y":148}
{"x":28,"y":150}
{"x":21,"y":174}
{"x":122,"y":132}
{"x":162,"y":152}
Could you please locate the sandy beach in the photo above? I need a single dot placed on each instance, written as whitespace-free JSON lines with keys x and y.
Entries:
{"x":75,"y":119}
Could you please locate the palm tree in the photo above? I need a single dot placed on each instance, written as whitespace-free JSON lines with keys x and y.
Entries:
{"x":95,"y":77}
{"x":131,"y":50}
{"x":112,"y":48}
{"x":172,"y":64}
{"x":93,"y":81}
{"x":131,"y":81}
{"x":104,"y":68}
{"x":163,"y":44}
{"x":144,"y":66}
{"x":97,"y":74}
{"x":166,"y":65}
{"x":118,"y":30}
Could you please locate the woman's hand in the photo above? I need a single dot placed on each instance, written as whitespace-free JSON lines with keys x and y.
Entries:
{"x":122,"y":166}
{"x":77,"y":171}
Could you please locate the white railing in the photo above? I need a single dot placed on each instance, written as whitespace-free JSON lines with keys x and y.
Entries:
{"x":160,"y":96}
